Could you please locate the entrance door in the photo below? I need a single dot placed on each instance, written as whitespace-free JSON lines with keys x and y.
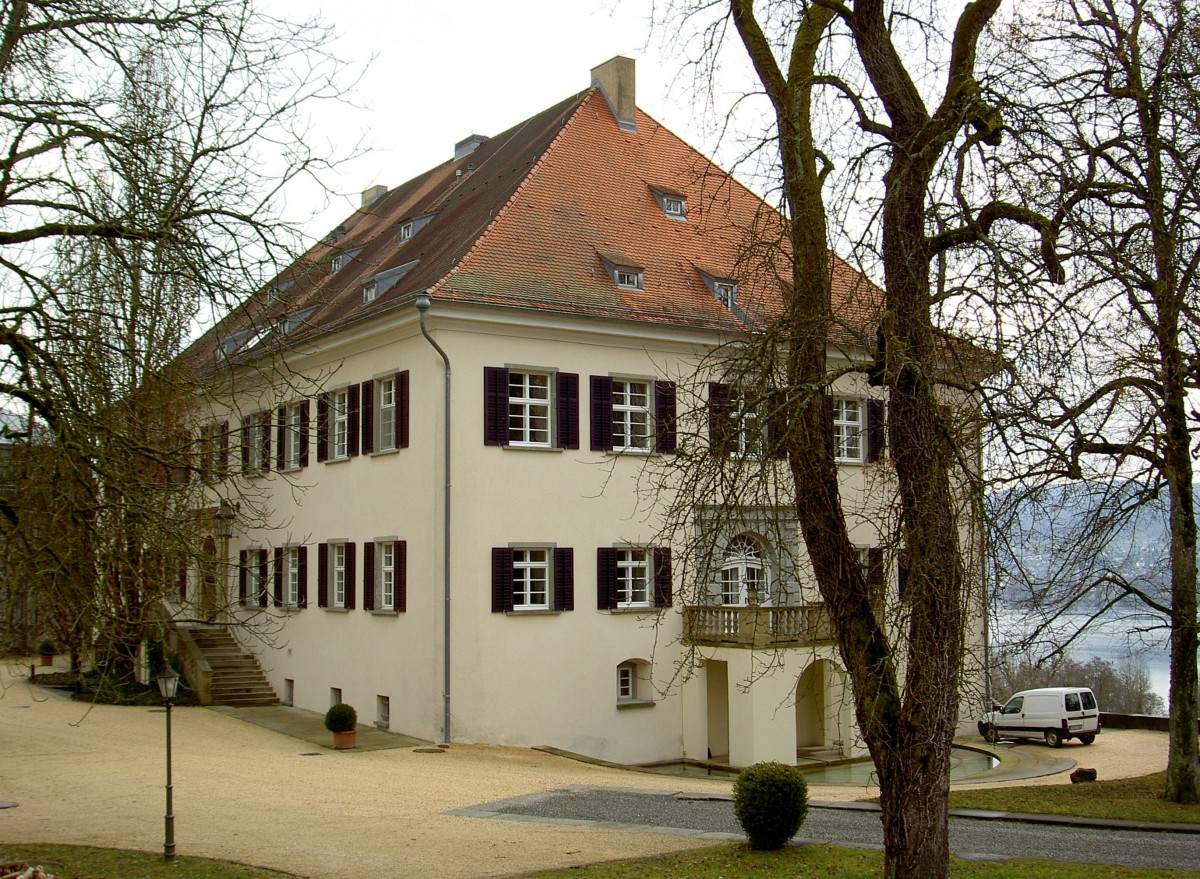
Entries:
{"x":716,"y":675}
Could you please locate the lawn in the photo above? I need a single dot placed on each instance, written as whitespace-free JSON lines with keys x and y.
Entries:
{"x":825,"y":862}
{"x":1130,"y":799}
{"x":83,"y":862}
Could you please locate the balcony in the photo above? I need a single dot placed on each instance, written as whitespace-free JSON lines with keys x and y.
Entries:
{"x":757,"y":628}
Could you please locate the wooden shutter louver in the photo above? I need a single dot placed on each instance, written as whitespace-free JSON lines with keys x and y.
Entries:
{"x":304,"y":433}
{"x":564,"y":578}
{"x":368,"y":578}
{"x":354,"y":408}
{"x":243,"y":575}
{"x":351,"y":574}
{"x":263,"y":575}
{"x":401,"y":561}
{"x":302,"y":566}
{"x":601,"y":408}
{"x":323,"y":575}
{"x":495,"y":406}
{"x":323,"y":429}
{"x":402,"y":409}
{"x":278,"y":576}
{"x":876,"y":430}
{"x":606,"y":578}
{"x":368,"y":416}
{"x":566,"y":389}
{"x":664,"y":417}
{"x":281,"y":429}
{"x":720,"y":418}
{"x":502,"y":579}
{"x":663,"y":587}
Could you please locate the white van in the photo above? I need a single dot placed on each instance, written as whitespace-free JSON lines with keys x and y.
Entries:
{"x":1053,"y":713}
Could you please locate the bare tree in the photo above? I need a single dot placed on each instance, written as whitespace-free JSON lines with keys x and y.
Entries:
{"x":906,"y":679}
{"x":146,"y":145}
{"x":1111,"y":142}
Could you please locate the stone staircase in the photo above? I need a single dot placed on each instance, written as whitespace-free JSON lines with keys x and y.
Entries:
{"x":237,"y":678}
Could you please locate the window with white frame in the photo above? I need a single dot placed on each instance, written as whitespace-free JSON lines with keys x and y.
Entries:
{"x":255,"y":582}
{"x":749,"y":426}
{"x":725,"y":293}
{"x":528,"y":408}
{"x":339,"y":422}
{"x":386,"y":574}
{"x":370,"y":291}
{"x":337,"y":575}
{"x":385,"y":419}
{"x":628,"y":279}
{"x":848,"y":433}
{"x":336,"y":263}
{"x":674,"y":206}
{"x":291,"y":576}
{"x":406,"y":231}
{"x":626,"y":682}
{"x":633,"y":577}
{"x":295,"y":434}
{"x":256,"y":442}
{"x":632,"y":417}
{"x":742,"y":571}
{"x":531,"y":579}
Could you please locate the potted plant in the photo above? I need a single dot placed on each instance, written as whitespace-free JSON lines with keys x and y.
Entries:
{"x":47,"y":652}
{"x":341,"y":720}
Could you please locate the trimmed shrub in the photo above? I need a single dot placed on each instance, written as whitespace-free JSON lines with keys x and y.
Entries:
{"x":340,"y":718}
{"x":770,"y":801}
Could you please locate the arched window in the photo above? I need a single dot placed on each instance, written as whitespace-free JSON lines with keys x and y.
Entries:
{"x":742,"y":571}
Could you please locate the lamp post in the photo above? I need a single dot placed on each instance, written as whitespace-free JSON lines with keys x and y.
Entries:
{"x":168,"y":681}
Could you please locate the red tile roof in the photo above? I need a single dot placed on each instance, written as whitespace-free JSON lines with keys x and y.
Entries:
{"x":529,"y":219}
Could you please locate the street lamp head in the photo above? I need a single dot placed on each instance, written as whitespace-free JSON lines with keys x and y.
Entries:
{"x":225,"y":516}
{"x":168,"y":682}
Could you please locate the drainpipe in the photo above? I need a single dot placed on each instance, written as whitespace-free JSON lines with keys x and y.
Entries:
{"x":423,"y":302}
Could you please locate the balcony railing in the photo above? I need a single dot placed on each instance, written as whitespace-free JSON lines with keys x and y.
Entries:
{"x":757,"y":627}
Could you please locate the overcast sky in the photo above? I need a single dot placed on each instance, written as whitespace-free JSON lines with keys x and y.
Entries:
{"x":442,"y":71}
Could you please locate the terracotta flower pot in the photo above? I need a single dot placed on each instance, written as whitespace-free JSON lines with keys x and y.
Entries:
{"x":47,"y":660}
{"x":344,"y":741}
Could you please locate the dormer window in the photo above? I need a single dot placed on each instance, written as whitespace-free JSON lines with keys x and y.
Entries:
{"x":406,"y":231}
{"x":725,"y":292}
{"x":411,"y":227}
{"x":370,"y":291}
{"x":335,"y":264}
{"x":376,"y":285}
{"x":629,"y":279}
{"x":673,"y":204}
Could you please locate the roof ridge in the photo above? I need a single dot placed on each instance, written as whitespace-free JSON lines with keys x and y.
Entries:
{"x":503,"y":211}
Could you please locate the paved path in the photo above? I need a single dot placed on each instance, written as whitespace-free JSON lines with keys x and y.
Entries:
{"x":986,"y":839}
{"x":271,"y":792}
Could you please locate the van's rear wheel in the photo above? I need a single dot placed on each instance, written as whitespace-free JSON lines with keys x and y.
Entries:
{"x":1053,"y":738}
{"x":1088,"y":739}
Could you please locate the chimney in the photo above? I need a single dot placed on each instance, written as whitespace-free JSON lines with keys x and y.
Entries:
{"x":616,"y":79}
{"x":467,"y":146}
{"x":369,"y":195}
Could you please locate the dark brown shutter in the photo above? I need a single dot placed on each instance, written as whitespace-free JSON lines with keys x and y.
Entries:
{"x":278,"y":576}
{"x":876,"y":430}
{"x":777,"y":424}
{"x":304,"y":433}
{"x":223,"y":449}
{"x":661,"y":559}
{"x":368,"y":579}
{"x":502,"y":579}
{"x":664,"y":416}
{"x":566,"y":386}
{"x":606,"y":578}
{"x":303,"y":569}
{"x":352,"y":416}
{"x":564,"y":578}
{"x":720,"y":419}
{"x":351,"y":585}
{"x":281,"y":461}
{"x":323,"y":575}
{"x":243,"y":575}
{"x":368,"y":416}
{"x":247,"y":439}
{"x":400,"y":558}
{"x":323,"y":429}
{"x":875,"y":578}
{"x":495,"y":408}
{"x":902,"y":573}
{"x":827,"y":420}
{"x":264,"y":437}
{"x":402,"y":409}
{"x":183,"y":582}
{"x":601,"y":407}
{"x":263,"y":574}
